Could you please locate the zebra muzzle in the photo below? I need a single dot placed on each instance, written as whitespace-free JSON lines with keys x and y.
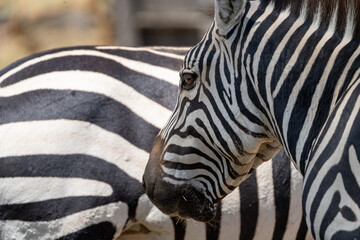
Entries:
{"x":180,"y":200}
{"x":193,"y":204}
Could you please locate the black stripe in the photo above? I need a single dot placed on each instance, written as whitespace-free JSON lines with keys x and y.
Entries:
{"x":343,"y":165}
{"x":197,"y":166}
{"x":343,"y":234}
{"x":75,"y":105}
{"x":209,"y":117}
{"x":175,"y":50}
{"x":287,"y":52}
{"x":190,"y":150}
{"x":67,"y":166}
{"x":181,"y":107}
{"x":285,"y":57}
{"x":213,"y":227}
{"x":40,"y":54}
{"x":160,"y":91}
{"x":207,"y":43}
{"x":189,"y":56}
{"x":179,"y":227}
{"x":267,"y":55}
{"x":281,"y":177}
{"x":350,"y":75}
{"x":222,"y":93}
{"x":336,"y":71}
{"x":304,"y":100}
{"x":249,"y":24}
{"x":250,"y":50}
{"x":301,"y":234}
{"x":100,"y":231}
{"x":208,"y":63}
{"x":249,"y":207}
{"x":282,"y":98}
{"x":330,"y":214}
{"x":146,"y":57}
{"x":304,"y":56}
{"x":225,"y":124}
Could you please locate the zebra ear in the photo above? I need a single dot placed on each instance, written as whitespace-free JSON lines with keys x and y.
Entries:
{"x":226,"y":12}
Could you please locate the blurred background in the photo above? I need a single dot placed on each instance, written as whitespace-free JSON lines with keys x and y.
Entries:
{"x":30,"y":26}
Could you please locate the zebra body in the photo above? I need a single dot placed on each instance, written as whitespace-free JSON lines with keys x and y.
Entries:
{"x":268,"y":74}
{"x":76,"y":126}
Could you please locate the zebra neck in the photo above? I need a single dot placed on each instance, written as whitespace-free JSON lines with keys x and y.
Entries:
{"x":299,"y":70}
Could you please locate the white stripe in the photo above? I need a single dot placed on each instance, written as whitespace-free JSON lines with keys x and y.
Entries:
{"x":355,"y":78}
{"x":354,"y":163}
{"x":136,"y":66}
{"x":338,"y":184}
{"x":311,"y":113}
{"x":339,"y":222}
{"x":159,"y":224}
{"x":336,"y":156}
{"x":245,"y":68}
{"x":294,"y":58}
{"x":71,"y":137}
{"x":308,"y":236}
{"x":299,"y":85}
{"x":346,"y":199}
{"x":155,"y":50}
{"x":266,"y":202}
{"x":17,"y":190}
{"x":254,"y":5}
{"x":144,"y":107}
{"x":343,"y":76}
{"x":191,"y":159}
{"x":350,"y":20}
{"x":249,"y":37}
{"x":272,"y":64}
{"x":195,"y":230}
{"x":331,"y":130}
{"x":40,"y":230}
{"x":257,"y":57}
{"x":230,"y":216}
{"x":173,"y":181}
{"x":194,"y":174}
{"x":295,"y":208}
{"x":264,"y":40}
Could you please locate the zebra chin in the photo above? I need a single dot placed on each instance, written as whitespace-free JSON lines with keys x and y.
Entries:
{"x":180,"y":200}
{"x":184,"y":201}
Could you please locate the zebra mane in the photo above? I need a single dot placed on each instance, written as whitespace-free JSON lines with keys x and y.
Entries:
{"x":345,"y":13}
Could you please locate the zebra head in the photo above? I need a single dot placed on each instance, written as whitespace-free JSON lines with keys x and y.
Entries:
{"x":216,"y":136}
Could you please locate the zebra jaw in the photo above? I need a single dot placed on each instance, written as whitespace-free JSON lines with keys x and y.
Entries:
{"x":183,"y":201}
{"x":194,"y":205}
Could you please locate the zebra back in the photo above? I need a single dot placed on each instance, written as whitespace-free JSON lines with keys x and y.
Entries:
{"x":75,"y":137}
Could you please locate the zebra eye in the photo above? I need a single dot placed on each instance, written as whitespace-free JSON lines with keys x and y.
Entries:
{"x":188,"y":80}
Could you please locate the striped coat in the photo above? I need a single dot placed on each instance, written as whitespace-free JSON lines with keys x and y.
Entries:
{"x":76,"y":126}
